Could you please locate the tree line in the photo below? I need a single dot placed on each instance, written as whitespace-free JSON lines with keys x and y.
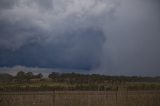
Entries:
{"x":19,"y":77}
{"x":74,"y":78}
{"x":97,"y":78}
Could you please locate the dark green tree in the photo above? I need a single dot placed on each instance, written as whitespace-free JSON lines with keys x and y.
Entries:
{"x":5,"y":78}
{"x":20,"y":77}
{"x":39,"y":75}
{"x":29,"y":76}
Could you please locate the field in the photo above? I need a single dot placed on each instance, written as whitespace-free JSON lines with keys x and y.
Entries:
{"x":73,"y":89}
{"x":81,"y":98}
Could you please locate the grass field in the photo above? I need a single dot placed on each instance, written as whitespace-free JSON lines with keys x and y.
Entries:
{"x":52,"y":86}
{"x":81,"y":98}
{"x":46,"y":92}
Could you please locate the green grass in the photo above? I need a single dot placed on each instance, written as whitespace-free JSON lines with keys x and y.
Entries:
{"x":50,"y":85}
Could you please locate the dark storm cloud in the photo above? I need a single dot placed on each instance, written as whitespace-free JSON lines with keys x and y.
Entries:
{"x":78,"y":50}
{"x":41,"y":21}
{"x":52,"y":33}
{"x":104,"y":36}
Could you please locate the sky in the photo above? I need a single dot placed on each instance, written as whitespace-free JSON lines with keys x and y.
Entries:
{"x":113,"y":37}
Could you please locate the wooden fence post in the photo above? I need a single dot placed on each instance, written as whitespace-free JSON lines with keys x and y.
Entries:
{"x":54,"y":98}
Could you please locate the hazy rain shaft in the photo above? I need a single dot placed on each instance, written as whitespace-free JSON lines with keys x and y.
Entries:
{"x":119,"y":37}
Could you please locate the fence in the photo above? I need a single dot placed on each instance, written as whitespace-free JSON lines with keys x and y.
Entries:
{"x":81,"y":98}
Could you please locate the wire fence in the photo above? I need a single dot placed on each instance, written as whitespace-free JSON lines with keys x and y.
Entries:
{"x":80,"y":98}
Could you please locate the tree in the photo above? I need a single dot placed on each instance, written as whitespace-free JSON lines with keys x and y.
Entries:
{"x":28,"y":76}
{"x":20,"y":77}
{"x":54,"y":75}
{"x":6,"y":78}
{"x":39,"y":75}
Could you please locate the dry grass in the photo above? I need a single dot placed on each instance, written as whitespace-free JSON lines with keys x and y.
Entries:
{"x":81,"y":98}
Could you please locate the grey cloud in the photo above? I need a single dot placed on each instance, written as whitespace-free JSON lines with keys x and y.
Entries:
{"x":42,"y":4}
{"x":48,"y":4}
{"x":65,"y":35}
{"x":105,"y":36}
{"x":30,"y":20}
{"x":133,"y":39}
{"x":75,"y":50}
{"x":5,"y":4}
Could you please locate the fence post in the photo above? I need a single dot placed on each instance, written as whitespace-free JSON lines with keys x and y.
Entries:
{"x":117,"y":96}
{"x":53,"y":98}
